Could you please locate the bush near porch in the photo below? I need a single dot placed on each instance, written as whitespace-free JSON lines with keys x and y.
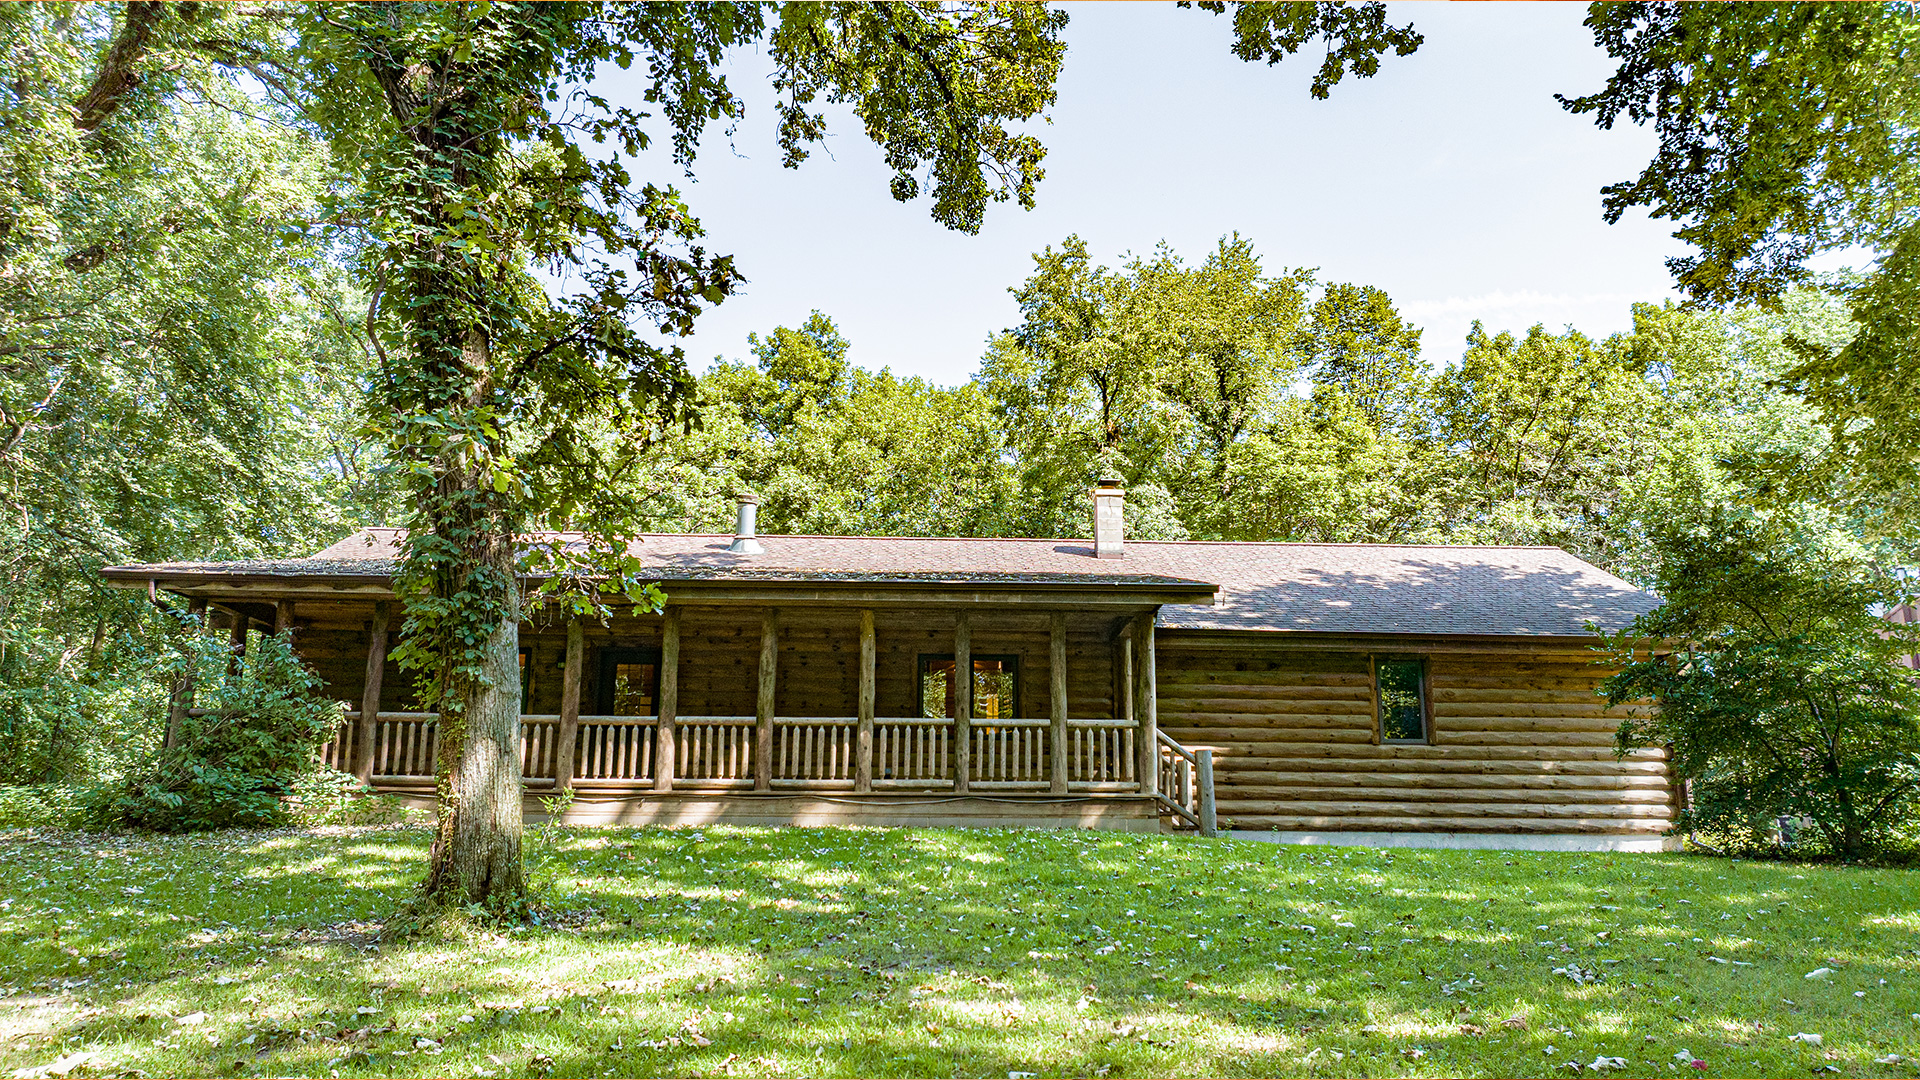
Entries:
{"x":827,"y":952}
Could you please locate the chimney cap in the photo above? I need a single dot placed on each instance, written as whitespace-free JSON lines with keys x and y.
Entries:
{"x":1109,"y":520}
{"x":1108,"y":482}
{"x":745,"y":540}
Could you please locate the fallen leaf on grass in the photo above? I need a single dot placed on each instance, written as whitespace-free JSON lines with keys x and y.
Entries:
{"x":1806,"y":1037}
{"x":1819,"y":973}
{"x":59,"y":1067}
{"x":1603,"y":1063}
{"x":192,"y":1019}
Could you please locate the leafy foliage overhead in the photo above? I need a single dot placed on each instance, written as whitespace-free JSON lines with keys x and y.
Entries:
{"x":179,"y":363}
{"x":1787,"y":131}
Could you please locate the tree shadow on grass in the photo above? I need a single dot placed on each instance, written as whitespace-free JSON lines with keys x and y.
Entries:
{"x":853,"y":951}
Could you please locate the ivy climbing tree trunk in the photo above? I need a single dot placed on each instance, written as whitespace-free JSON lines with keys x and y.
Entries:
{"x":476,"y":849}
{"x":449,"y":287}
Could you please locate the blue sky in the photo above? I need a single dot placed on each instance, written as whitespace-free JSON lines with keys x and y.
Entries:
{"x":1451,"y":179}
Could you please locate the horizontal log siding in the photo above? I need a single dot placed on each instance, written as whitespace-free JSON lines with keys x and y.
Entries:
{"x":1520,"y":743}
{"x":339,"y":656}
{"x":720,"y":655}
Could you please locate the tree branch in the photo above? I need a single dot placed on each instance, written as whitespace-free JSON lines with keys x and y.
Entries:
{"x":117,"y":77}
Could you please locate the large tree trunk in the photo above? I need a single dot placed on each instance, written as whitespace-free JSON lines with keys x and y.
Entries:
{"x":476,"y":851}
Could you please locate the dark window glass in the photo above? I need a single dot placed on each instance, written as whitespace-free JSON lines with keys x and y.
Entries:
{"x":629,"y":680}
{"x":996,"y":686}
{"x":1402,"y":694}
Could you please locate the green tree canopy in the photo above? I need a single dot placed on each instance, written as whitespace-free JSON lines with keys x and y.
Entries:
{"x":180,"y":364}
{"x":1787,"y":131}
{"x":1785,"y":691}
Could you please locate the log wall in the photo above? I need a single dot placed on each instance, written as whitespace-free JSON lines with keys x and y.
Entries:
{"x":819,"y":665}
{"x":1518,"y":742}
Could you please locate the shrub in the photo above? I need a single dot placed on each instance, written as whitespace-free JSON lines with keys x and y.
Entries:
{"x":40,"y":806}
{"x":330,"y":797}
{"x":256,"y":733}
{"x":1780,"y":691}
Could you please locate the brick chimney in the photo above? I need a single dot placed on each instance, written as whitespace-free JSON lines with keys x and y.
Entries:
{"x":1109,"y":519}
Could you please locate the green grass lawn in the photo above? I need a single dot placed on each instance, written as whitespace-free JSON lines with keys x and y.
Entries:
{"x":816,"y":952}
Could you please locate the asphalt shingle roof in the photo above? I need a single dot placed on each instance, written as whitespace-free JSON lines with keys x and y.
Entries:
{"x":1332,"y":588}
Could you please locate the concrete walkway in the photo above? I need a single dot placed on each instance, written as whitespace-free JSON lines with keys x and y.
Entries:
{"x":1466,"y":841}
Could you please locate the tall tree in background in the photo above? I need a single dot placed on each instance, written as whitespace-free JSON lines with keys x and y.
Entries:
{"x":1538,"y":433}
{"x":179,"y":362}
{"x":1356,"y":342}
{"x":1786,"y":131}
{"x":1152,"y":373}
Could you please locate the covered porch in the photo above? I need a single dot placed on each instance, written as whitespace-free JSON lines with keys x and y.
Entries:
{"x":823,"y":709}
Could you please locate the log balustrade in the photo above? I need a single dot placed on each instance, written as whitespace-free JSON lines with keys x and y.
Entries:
{"x":808,"y":752}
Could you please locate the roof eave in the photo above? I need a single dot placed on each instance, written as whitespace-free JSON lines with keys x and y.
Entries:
{"x":718,"y":591}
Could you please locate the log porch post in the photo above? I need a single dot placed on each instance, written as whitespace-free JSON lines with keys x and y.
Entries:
{"x":1203,"y":771}
{"x":183,"y":689}
{"x":237,"y":639}
{"x":363,"y":734}
{"x":282,"y":616}
{"x":763,"y":713}
{"x":863,"y":747}
{"x":569,"y":735}
{"x":1057,"y":677}
{"x":666,"y":754}
{"x":1145,"y":717}
{"x":962,"y":703}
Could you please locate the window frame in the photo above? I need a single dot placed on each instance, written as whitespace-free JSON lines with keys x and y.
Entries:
{"x":920,"y":670}
{"x":1426,"y":699}
{"x":608,"y":658}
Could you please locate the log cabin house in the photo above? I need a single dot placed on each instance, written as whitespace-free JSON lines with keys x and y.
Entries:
{"x":1326,"y":689}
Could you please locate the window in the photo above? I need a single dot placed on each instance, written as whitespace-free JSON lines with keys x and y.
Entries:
{"x":996,"y":686}
{"x":1400,"y":694}
{"x":628,"y":680}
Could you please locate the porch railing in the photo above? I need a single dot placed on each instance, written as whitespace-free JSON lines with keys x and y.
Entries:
{"x":808,"y":752}
{"x":1185,"y":786}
